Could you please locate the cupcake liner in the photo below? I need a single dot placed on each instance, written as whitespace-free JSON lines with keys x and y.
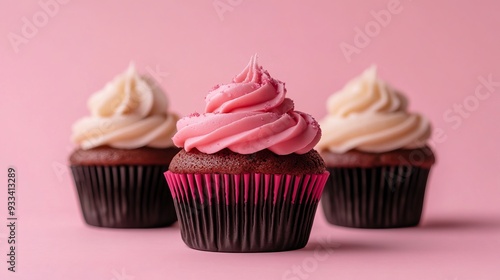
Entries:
{"x":378,"y":197}
{"x":124,"y":196}
{"x":245,"y":212}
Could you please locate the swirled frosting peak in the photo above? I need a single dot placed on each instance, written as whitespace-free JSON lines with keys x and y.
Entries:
{"x":369,"y":115}
{"x":128,"y":113}
{"x":248,"y":115}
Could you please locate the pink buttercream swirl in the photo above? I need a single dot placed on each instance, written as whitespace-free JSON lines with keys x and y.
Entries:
{"x":249,"y":115}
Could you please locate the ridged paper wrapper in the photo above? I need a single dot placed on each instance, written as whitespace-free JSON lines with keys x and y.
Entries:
{"x":124,"y":196}
{"x":245,"y":212}
{"x":377,"y":197}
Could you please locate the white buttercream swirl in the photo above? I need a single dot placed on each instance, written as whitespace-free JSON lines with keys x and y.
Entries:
{"x":129,"y":112}
{"x":369,"y":115}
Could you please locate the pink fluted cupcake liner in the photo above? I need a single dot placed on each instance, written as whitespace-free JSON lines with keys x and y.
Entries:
{"x":245,"y":212}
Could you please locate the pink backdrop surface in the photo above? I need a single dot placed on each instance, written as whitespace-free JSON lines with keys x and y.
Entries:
{"x":440,"y":53}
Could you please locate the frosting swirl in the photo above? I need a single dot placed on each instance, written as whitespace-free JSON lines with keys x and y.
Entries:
{"x":369,"y":115}
{"x":129,"y":112}
{"x":248,"y":115}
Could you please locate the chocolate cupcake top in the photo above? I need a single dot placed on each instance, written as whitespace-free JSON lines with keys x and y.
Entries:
{"x":265,"y":161}
{"x":368,"y":115}
{"x":248,"y":115}
{"x":107,"y":156}
{"x":128,"y":113}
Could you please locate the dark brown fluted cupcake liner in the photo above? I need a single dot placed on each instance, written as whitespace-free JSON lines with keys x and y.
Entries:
{"x":125,"y":196}
{"x":378,"y":197}
{"x":247,"y":212}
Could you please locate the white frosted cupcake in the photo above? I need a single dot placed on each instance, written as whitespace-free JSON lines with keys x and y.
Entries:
{"x":124,"y":147}
{"x":377,"y":154}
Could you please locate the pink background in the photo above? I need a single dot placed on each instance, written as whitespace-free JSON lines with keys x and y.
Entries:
{"x":434,"y":51}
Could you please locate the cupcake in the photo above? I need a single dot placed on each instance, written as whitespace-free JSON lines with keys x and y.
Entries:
{"x":377,"y":154}
{"x":124,"y":147}
{"x":247,"y":178}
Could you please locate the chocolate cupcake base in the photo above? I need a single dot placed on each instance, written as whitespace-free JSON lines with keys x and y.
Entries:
{"x":377,"y":197}
{"x":245,"y":213}
{"x":124,"y":196}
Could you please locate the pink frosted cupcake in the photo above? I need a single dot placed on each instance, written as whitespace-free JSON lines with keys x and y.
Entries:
{"x":247,"y":179}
